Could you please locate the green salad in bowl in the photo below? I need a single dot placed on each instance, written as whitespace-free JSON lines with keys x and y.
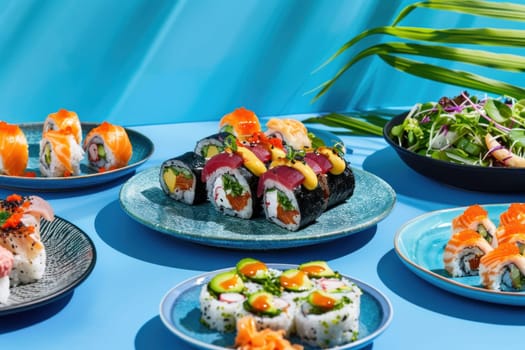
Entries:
{"x":488,"y":132}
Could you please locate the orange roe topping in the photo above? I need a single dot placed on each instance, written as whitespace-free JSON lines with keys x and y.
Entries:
{"x":13,"y":221}
{"x":14,"y":198}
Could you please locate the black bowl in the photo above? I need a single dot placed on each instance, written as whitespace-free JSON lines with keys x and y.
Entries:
{"x":469,"y":177}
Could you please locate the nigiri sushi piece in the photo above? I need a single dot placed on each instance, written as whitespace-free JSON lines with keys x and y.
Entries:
{"x":503,"y":268}
{"x":463,"y":253}
{"x":476,"y":218}
{"x":20,"y":234}
{"x":512,"y":233}
{"x":60,"y":154}
{"x":291,"y":131}
{"x":64,"y":120}
{"x":108,"y":147}
{"x":242,"y":123}
{"x":514,"y":213}
{"x":6,"y":265}
{"x":14,"y":151}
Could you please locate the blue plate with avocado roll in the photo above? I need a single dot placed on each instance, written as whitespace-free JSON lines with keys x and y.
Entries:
{"x":142,"y":149}
{"x":180,"y":313}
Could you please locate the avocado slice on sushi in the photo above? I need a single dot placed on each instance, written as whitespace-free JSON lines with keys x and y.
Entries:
{"x":226,"y":282}
{"x":322,"y":302}
{"x":295,"y":281}
{"x":252,"y":269}
{"x":317,"y":269}
{"x":261,"y":303}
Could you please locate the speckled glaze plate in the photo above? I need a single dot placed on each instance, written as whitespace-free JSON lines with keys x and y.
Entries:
{"x":142,"y":150}
{"x":142,"y":199}
{"x":420,"y":244}
{"x":179,"y":311}
{"x":71,"y":257}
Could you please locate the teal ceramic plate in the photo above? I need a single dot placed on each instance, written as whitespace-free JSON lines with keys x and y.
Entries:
{"x":142,"y":150}
{"x":71,"y":257}
{"x":420,"y":244}
{"x":142,"y":199}
{"x":179,"y":311}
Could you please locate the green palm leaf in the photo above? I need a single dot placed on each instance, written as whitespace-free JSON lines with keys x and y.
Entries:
{"x":509,"y":11}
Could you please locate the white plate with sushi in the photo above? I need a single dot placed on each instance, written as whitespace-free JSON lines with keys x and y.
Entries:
{"x":143,"y":199}
{"x":180,"y":312}
{"x":88,"y":176}
{"x":420,"y":244}
{"x":71,"y":257}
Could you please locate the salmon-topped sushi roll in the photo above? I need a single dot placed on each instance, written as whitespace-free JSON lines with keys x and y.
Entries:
{"x":108,"y":147}
{"x":503,"y":268}
{"x":14,"y":151}
{"x":476,"y":218}
{"x":60,"y":154}
{"x":512,"y":233}
{"x":242,"y":123}
{"x":291,"y":131}
{"x":514,"y":213}
{"x":463,"y":253}
{"x":64,"y":120}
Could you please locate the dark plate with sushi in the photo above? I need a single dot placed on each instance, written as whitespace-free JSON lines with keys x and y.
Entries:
{"x":71,"y":257}
{"x":143,"y":199}
{"x":180,"y":312}
{"x":420,"y":244}
{"x":469,"y":177}
{"x":89,"y":177}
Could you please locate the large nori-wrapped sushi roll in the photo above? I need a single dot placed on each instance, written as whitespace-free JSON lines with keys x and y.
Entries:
{"x":211,"y":145}
{"x":289,"y":199}
{"x":336,"y":176}
{"x":231,"y":187}
{"x":180,"y":178}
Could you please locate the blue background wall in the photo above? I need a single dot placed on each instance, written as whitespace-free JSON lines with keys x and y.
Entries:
{"x":141,"y":61}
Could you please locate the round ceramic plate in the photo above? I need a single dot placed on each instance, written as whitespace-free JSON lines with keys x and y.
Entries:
{"x":470,"y":177}
{"x":142,"y":199}
{"x":142,"y":150}
{"x":180,"y":312}
{"x":420,"y":244}
{"x":71,"y":257}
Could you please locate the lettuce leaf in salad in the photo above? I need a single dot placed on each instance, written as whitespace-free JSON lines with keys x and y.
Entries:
{"x":454,"y":129}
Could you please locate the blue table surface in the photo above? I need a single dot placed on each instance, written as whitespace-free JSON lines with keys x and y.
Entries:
{"x":117,"y":307}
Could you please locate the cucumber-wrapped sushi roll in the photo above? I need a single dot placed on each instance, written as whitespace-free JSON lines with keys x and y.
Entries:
{"x":328,"y":319}
{"x":291,"y":195}
{"x":180,"y":178}
{"x":503,"y":268}
{"x":231,"y":183}
{"x":269,"y":311}
{"x":108,"y":147}
{"x":14,"y":151}
{"x":221,"y":300}
{"x":476,"y":218}
{"x":60,"y":154}
{"x":463,"y":253}
{"x":64,"y":120}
